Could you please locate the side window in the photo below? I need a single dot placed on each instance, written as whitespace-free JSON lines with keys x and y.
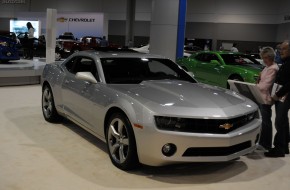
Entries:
{"x":82,"y":64}
{"x":213,"y":57}
{"x":200,"y":57}
{"x":158,"y":67}
{"x":207,"y":57}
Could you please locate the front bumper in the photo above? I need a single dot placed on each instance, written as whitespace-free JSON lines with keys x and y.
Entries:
{"x":196,"y":147}
{"x":8,"y":54}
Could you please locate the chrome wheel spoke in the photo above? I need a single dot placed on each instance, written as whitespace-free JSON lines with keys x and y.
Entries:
{"x":114,"y":132}
{"x":48,"y":96}
{"x":120,"y":127}
{"x":45,"y":104}
{"x":114,"y":148}
{"x":121,"y":154}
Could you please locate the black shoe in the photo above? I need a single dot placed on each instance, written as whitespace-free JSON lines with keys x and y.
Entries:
{"x":274,"y":153}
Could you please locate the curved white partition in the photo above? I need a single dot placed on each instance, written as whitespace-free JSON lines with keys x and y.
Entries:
{"x":21,"y":72}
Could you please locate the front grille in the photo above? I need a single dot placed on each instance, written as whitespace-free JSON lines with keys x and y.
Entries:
{"x":214,"y":126}
{"x":217,"y":151}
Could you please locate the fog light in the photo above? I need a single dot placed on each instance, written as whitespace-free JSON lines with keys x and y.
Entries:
{"x":168,"y":149}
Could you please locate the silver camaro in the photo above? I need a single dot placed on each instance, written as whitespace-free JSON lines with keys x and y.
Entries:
{"x":148,"y":109}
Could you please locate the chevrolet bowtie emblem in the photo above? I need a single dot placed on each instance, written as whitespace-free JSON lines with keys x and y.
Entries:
{"x":226,"y":126}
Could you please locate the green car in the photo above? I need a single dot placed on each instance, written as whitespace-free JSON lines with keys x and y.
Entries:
{"x":216,"y":67}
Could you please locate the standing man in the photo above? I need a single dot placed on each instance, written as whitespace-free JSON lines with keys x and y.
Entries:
{"x":282,"y":105}
{"x":30,"y":40}
{"x":234,"y":48}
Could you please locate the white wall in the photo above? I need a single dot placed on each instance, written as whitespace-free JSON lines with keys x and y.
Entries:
{"x":234,"y":11}
{"x":256,"y":12}
{"x":216,"y":11}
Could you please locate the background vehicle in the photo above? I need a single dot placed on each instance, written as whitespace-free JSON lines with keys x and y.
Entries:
{"x":8,"y":49}
{"x":86,"y":43}
{"x":39,"y":46}
{"x":66,"y":42}
{"x":215,"y":67}
{"x":257,"y":57}
{"x":149,"y":110}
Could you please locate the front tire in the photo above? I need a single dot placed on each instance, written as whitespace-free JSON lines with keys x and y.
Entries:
{"x":121,"y":142}
{"x":48,"y":107}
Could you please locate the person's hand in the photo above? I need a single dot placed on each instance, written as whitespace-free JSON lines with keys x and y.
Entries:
{"x":275,"y":97}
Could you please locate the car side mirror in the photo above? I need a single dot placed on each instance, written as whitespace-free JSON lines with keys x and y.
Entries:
{"x":86,"y":76}
{"x":214,"y":62}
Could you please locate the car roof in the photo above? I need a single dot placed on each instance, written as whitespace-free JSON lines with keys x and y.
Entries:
{"x":117,"y":54}
{"x":220,"y":52}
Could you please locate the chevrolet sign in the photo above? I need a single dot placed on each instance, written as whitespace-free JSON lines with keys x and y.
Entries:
{"x":63,"y":19}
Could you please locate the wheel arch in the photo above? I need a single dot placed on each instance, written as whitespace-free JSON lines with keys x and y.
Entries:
{"x":110,"y":112}
{"x":235,"y":75}
{"x":45,"y":83}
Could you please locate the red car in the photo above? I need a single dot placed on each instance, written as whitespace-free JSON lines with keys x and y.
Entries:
{"x":86,"y":43}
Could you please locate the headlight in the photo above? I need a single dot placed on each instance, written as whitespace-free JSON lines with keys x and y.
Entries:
{"x":170,"y":123}
{"x":3,"y":44}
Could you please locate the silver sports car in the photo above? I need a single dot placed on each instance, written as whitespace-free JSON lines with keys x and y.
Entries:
{"x":148,"y":109}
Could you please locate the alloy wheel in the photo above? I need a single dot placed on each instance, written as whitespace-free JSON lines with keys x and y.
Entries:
{"x":47,"y":103}
{"x":118,"y":140}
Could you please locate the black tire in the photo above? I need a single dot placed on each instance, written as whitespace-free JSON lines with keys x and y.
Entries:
{"x":48,"y":107}
{"x":121,"y":142}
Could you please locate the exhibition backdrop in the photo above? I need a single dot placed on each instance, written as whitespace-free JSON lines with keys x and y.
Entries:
{"x":79,"y":23}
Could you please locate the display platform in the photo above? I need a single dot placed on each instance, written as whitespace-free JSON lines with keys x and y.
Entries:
{"x":21,"y":72}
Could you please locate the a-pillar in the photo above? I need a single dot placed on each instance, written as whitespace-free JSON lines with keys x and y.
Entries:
{"x":50,"y":35}
{"x":168,"y":28}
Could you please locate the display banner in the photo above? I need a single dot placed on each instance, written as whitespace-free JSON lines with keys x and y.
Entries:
{"x":80,"y":24}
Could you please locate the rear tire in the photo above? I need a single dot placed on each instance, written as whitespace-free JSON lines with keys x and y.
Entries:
{"x":48,"y":107}
{"x":121,"y":142}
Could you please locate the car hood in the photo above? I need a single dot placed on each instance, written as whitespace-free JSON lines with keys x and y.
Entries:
{"x":179,"y":97}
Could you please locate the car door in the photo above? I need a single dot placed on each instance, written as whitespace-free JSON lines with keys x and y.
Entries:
{"x":209,"y":68}
{"x":76,"y":93}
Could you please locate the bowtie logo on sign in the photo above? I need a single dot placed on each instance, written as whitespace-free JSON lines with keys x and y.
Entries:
{"x":61,"y":19}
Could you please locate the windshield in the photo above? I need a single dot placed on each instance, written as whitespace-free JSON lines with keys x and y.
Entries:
{"x":238,"y":59}
{"x":136,"y":70}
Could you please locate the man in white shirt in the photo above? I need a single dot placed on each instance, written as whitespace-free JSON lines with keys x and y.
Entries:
{"x":234,"y":48}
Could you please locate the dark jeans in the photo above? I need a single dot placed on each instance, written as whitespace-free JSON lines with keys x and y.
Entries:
{"x":281,"y":138}
{"x":30,"y":48}
{"x":266,"y":133}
